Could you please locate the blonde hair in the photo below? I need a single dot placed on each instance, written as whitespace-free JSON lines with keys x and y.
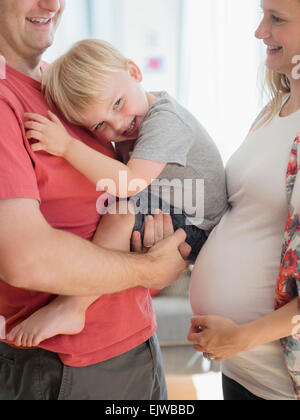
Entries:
{"x":276,"y":85}
{"x":74,"y":80}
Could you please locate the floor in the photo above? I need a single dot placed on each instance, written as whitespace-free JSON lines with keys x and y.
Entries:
{"x":207,"y":386}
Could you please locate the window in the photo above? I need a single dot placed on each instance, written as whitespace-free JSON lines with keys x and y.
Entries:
{"x":220,"y":72}
{"x":202,"y":51}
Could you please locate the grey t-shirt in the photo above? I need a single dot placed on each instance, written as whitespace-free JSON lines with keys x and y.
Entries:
{"x":194,"y":178}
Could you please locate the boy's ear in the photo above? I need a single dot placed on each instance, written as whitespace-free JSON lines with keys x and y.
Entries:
{"x":134,"y":71}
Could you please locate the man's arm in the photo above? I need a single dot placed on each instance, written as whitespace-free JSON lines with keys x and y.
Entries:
{"x":34,"y":256}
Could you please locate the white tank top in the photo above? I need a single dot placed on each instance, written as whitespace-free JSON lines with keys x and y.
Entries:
{"x":236,"y":272}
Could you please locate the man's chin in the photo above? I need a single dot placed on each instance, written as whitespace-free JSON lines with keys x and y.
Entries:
{"x":43,"y":47}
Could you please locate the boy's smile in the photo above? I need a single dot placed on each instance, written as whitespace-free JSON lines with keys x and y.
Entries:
{"x":132,"y":129}
{"x":122,"y":107}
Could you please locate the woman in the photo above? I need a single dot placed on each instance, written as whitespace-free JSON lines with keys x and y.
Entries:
{"x":235,"y":275}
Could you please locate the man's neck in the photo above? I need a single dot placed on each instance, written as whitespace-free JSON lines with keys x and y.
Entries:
{"x":28,"y":66}
{"x":31,"y":69}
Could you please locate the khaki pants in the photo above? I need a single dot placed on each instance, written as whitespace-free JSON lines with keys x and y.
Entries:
{"x":39,"y":375}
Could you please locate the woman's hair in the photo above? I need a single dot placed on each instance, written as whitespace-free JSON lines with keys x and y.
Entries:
{"x":276,"y":85}
{"x":74,"y":81}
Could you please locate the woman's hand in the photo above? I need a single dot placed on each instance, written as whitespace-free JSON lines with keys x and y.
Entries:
{"x":51,"y":134}
{"x":217,"y":337}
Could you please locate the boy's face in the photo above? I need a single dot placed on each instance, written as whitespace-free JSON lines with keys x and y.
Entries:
{"x":119,"y":116}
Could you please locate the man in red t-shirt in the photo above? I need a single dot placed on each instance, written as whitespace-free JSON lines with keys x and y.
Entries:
{"x":48,"y":217}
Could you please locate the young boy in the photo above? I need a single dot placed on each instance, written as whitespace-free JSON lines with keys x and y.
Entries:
{"x":94,"y":85}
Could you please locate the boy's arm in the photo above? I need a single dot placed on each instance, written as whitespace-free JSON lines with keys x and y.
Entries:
{"x":108,"y":174}
{"x":111,"y":175}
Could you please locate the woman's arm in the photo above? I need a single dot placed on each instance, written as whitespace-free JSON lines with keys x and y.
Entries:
{"x":222,"y":338}
{"x":108,"y":174}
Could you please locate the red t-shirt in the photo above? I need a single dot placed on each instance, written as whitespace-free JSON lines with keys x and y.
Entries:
{"x":115,"y":323}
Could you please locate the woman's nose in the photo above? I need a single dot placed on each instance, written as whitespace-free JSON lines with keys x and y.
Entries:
{"x":263,"y":31}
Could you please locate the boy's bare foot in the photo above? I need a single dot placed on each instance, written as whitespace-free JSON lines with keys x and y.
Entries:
{"x":59,"y":317}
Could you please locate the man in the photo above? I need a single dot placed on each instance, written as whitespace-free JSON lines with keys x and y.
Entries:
{"x":47,"y":219}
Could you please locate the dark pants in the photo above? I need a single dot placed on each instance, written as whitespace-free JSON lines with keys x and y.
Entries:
{"x":148,"y":202}
{"x":37,"y":374}
{"x":233,"y":391}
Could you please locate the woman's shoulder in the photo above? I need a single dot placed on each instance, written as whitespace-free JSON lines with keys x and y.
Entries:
{"x":261,"y":116}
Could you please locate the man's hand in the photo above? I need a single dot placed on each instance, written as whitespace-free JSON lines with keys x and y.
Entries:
{"x":52,"y":136}
{"x":157,"y":228}
{"x":167,"y":261}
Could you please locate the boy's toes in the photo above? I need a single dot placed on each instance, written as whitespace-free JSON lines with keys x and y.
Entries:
{"x":36,"y":341}
{"x":26,"y":340}
{"x":12,"y":335}
{"x":18,"y":339}
{"x":29,"y":341}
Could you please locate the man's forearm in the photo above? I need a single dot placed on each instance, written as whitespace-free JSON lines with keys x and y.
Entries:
{"x":69,"y":265}
{"x":35,"y":256}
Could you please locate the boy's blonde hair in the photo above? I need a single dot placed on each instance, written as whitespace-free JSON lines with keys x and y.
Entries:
{"x":74,"y":80}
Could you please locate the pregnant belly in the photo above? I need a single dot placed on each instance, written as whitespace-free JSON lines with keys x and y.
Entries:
{"x":235,"y":276}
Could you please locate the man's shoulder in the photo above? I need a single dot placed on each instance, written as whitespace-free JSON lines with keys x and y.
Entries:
{"x":6,"y":94}
{"x":8,"y":100}
{"x":4,"y":89}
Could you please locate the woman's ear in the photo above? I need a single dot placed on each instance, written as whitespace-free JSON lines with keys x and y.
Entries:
{"x":134,"y":71}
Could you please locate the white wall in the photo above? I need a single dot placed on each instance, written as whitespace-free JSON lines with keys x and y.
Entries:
{"x":151,"y":29}
{"x":73,"y":27}
{"x":141,"y":29}
{"x":107,"y":21}
{"x":222,"y":61}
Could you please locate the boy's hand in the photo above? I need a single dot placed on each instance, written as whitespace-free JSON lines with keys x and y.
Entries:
{"x":51,"y":134}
